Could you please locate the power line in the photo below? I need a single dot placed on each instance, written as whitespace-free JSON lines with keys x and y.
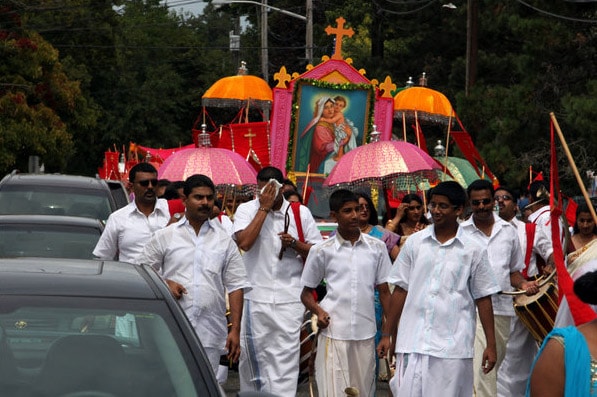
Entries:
{"x":551,"y":14}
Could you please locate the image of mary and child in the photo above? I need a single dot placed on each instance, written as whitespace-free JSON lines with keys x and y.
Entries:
{"x":333,"y":134}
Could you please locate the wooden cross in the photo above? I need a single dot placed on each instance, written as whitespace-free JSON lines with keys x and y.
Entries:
{"x":250,"y":135}
{"x":340,"y":32}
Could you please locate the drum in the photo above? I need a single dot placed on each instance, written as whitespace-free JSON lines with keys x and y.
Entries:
{"x":538,"y":312}
{"x":308,"y":343}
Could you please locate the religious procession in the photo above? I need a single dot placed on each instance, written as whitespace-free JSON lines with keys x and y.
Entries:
{"x":319,"y":252}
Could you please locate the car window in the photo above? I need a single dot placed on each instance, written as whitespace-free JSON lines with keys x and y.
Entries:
{"x":55,"y":200}
{"x":58,"y":346}
{"x":49,"y":241}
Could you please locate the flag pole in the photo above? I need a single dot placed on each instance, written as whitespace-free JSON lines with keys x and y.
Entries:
{"x":573,"y":166}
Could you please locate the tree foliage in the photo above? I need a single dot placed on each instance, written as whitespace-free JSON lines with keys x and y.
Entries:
{"x":131,"y":70}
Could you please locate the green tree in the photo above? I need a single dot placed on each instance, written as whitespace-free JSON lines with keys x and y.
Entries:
{"x":37,"y":99}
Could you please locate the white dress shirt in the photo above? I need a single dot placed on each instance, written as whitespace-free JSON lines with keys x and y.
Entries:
{"x":505,"y":257}
{"x":274,"y":280}
{"x":542,"y":245}
{"x":522,"y":238}
{"x":351,"y":273}
{"x":207,"y":265}
{"x":128,"y":230}
{"x":443,"y":281}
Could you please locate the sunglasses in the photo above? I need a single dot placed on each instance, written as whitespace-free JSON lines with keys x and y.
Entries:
{"x":146,"y":182}
{"x":485,"y":201}
{"x":505,"y":197}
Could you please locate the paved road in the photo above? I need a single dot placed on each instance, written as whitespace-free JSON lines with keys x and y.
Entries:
{"x":231,"y":387}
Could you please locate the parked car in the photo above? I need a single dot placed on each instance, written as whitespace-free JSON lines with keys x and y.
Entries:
{"x":95,"y":329}
{"x":51,"y":236}
{"x":58,"y":194}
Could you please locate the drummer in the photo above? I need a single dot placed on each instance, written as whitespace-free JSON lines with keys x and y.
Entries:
{"x":522,"y":347}
{"x":506,"y":260}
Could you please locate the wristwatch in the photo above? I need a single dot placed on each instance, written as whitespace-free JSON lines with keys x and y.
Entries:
{"x":293,"y":243}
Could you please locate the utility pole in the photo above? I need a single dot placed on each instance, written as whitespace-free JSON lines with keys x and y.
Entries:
{"x":472,"y":31}
{"x":264,"y":42}
{"x":309,"y":33}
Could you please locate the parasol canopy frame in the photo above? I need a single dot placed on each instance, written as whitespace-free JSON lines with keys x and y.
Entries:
{"x":424,"y":103}
{"x":242,"y":90}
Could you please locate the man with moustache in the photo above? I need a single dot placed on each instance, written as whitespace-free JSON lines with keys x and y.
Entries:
{"x":521,"y":347}
{"x":128,"y":229}
{"x":200,"y":262}
{"x":505,"y":257}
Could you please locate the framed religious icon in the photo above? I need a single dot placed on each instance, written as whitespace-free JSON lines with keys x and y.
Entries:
{"x":329,"y":120}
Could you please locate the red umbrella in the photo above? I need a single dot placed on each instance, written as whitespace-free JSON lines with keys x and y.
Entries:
{"x":223,"y":166}
{"x":395,"y":164}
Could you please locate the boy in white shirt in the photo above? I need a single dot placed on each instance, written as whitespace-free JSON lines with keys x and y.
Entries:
{"x":354,"y":265}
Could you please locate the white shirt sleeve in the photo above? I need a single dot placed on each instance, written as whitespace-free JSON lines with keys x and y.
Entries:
{"x":107,"y":245}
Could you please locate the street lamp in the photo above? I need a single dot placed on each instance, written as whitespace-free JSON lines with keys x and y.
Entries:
{"x":264,"y":7}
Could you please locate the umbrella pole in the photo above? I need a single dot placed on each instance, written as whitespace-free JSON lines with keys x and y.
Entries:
{"x":404,"y":125}
{"x":417,"y":129}
{"x":448,"y":142}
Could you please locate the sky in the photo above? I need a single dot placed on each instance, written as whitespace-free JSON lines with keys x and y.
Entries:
{"x":194,"y":6}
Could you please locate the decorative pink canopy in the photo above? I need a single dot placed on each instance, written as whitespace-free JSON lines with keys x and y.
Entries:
{"x":384,"y":161}
{"x":223,"y":166}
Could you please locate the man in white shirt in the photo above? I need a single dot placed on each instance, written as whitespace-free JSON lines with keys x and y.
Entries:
{"x":353,"y":264}
{"x":266,"y":230}
{"x":521,"y":348}
{"x":441,"y":275}
{"x":200,"y":262}
{"x":130,"y":228}
{"x":541,"y":218}
{"x":506,"y":260}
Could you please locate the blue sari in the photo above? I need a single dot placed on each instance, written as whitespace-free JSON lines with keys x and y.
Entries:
{"x":577,"y":363}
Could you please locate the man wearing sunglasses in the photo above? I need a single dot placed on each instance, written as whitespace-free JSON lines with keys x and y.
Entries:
{"x":130,"y":228}
{"x":506,"y":260}
{"x":521,"y":347}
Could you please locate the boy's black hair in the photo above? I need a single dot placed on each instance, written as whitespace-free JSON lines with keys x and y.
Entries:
{"x":340,"y":197}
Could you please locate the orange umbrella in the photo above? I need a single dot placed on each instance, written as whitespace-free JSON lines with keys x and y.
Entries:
{"x":239,"y":91}
{"x":426,"y":103}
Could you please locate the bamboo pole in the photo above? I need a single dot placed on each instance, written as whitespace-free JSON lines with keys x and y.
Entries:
{"x":573,"y":166}
{"x":447,"y":143}
{"x":404,"y":126}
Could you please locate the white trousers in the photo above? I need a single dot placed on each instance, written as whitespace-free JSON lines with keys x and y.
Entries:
{"x":419,"y":375}
{"x":485,"y":385}
{"x":270,"y":347}
{"x":345,"y":363}
{"x":516,"y":368}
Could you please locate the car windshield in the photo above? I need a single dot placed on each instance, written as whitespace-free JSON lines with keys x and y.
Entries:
{"x":93,"y":347}
{"x":54,"y":200}
{"x":49,"y":241}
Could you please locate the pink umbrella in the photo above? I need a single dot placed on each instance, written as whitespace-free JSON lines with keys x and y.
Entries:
{"x":395,"y":163}
{"x":223,"y":166}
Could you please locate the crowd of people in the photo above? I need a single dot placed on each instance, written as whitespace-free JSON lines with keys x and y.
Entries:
{"x":425,"y":293}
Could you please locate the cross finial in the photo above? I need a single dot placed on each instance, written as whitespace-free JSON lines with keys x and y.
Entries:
{"x":340,"y":32}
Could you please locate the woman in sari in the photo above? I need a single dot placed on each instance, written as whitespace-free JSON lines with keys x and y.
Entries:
{"x":566,"y":365}
{"x":584,"y":240}
{"x":583,"y":249}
